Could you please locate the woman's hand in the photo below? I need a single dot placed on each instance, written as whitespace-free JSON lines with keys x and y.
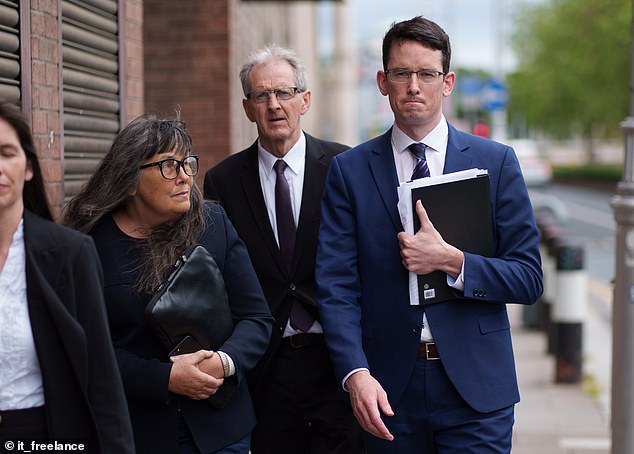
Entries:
{"x":212,"y":366}
{"x":187,"y":379}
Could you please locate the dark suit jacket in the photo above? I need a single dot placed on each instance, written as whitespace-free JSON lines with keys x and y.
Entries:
{"x":363,"y":286}
{"x":143,"y":361}
{"x":235,"y":183}
{"x":82,"y":385}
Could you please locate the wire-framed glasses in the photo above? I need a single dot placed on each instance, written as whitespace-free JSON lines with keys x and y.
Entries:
{"x":171,"y":167}
{"x":282,"y":94}
{"x":401,"y":75}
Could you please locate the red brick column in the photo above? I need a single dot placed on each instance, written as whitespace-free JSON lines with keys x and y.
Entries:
{"x":186,"y":48}
{"x":46,"y":94}
{"x":133,"y":60}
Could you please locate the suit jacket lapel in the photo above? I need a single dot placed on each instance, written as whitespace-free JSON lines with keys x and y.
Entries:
{"x":384,"y":172}
{"x":459,"y":156}
{"x":49,"y":316}
{"x":383,"y":169}
{"x":314,"y":176}
{"x":250,"y":179}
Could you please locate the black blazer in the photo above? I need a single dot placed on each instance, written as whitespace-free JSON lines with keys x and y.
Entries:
{"x":143,"y":361}
{"x":82,"y":385}
{"x":235,"y":183}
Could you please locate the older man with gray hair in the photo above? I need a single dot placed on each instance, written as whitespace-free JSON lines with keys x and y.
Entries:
{"x":272,"y":193}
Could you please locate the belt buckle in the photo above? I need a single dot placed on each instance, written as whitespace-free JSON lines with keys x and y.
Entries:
{"x":296,"y":341}
{"x":427,"y":352}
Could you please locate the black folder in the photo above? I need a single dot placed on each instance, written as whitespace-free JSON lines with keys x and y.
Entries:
{"x":461,"y":211}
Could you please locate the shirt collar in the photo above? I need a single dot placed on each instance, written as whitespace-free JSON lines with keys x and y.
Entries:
{"x":436,"y":139}
{"x":295,"y":158}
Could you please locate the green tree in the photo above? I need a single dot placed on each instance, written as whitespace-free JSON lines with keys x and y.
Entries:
{"x":573,"y":68}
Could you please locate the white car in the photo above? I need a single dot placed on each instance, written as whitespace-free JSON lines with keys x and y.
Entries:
{"x":537,"y":171}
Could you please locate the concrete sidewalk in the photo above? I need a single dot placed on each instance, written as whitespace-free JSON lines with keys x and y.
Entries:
{"x":552,"y":418}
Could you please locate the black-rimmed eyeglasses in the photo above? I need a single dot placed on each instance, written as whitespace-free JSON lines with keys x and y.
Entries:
{"x":282,"y":94}
{"x":171,"y":167}
{"x":425,"y":76}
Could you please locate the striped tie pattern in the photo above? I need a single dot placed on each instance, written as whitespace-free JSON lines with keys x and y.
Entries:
{"x":421,"y":170}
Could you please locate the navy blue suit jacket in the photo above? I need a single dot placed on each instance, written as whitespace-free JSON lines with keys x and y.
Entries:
{"x":363,"y":286}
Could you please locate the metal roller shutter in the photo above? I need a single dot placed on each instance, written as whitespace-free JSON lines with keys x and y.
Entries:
{"x":90,"y":73}
{"x":10,"y":51}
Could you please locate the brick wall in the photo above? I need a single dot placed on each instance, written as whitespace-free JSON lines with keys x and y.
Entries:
{"x":186,"y":57}
{"x":46,"y":92}
{"x":133,"y":60}
{"x":46,"y":84}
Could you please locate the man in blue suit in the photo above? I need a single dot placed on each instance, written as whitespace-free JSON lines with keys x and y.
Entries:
{"x":437,"y":378}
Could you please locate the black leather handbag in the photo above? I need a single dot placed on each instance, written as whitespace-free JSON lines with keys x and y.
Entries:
{"x":193,"y":302}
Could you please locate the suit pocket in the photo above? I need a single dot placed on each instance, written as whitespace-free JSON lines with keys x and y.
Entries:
{"x":490,"y":323}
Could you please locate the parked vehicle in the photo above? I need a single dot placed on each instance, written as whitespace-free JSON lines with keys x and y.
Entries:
{"x":536,"y":169}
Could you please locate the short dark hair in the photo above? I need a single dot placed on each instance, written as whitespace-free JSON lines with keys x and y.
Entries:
{"x":421,"y":30}
{"x":33,"y":193}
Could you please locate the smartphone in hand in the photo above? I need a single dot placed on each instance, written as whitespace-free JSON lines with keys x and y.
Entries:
{"x":187,"y":345}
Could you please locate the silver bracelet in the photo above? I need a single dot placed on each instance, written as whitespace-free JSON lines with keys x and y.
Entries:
{"x":225,"y":363}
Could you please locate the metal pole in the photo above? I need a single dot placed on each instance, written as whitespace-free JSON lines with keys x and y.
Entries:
{"x":623,"y":307}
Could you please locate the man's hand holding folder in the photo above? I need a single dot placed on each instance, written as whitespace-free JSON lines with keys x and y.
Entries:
{"x":426,"y":251}
{"x":443,"y":217}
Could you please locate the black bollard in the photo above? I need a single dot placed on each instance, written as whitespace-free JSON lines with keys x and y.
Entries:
{"x":569,"y":312}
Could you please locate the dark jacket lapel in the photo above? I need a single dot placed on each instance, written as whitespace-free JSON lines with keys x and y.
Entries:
{"x":59,"y":339}
{"x":459,"y":156}
{"x":45,"y":306}
{"x":384,"y":172}
{"x":314,"y":177}
{"x":252,"y":186}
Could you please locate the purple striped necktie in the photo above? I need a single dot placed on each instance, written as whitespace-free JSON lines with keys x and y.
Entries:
{"x":421,"y":170}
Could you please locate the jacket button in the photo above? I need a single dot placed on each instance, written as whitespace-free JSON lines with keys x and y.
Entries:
{"x":415,"y":329}
{"x":292,"y":287}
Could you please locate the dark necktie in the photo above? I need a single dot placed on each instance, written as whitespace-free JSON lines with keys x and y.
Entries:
{"x":421,"y":169}
{"x":284,"y":214}
{"x":300,"y":318}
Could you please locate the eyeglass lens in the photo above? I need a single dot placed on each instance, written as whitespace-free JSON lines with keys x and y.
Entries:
{"x":426,"y":76}
{"x":282,"y":94}
{"x":171,"y":167}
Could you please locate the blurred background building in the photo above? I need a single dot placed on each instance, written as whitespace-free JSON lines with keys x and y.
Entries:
{"x":82,"y":69}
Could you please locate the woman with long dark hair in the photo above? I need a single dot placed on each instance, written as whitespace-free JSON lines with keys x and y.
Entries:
{"x":58,"y":375}
{"x":143,"y":209}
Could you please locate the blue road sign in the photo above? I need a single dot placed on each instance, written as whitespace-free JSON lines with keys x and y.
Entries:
{"x":494,"y":96}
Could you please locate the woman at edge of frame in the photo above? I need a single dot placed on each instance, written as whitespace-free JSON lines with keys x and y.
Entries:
{"x":59,"y":380}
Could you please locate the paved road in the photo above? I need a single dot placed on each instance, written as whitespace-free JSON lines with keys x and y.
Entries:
{"x":590,"y":223}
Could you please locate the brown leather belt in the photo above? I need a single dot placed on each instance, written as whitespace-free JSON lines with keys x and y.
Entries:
{"x":428,"y":350}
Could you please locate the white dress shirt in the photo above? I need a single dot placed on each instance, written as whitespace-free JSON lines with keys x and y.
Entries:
{"x":20,"y":375}
{"x":405,"y":162}
{"x":294,"y":173}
